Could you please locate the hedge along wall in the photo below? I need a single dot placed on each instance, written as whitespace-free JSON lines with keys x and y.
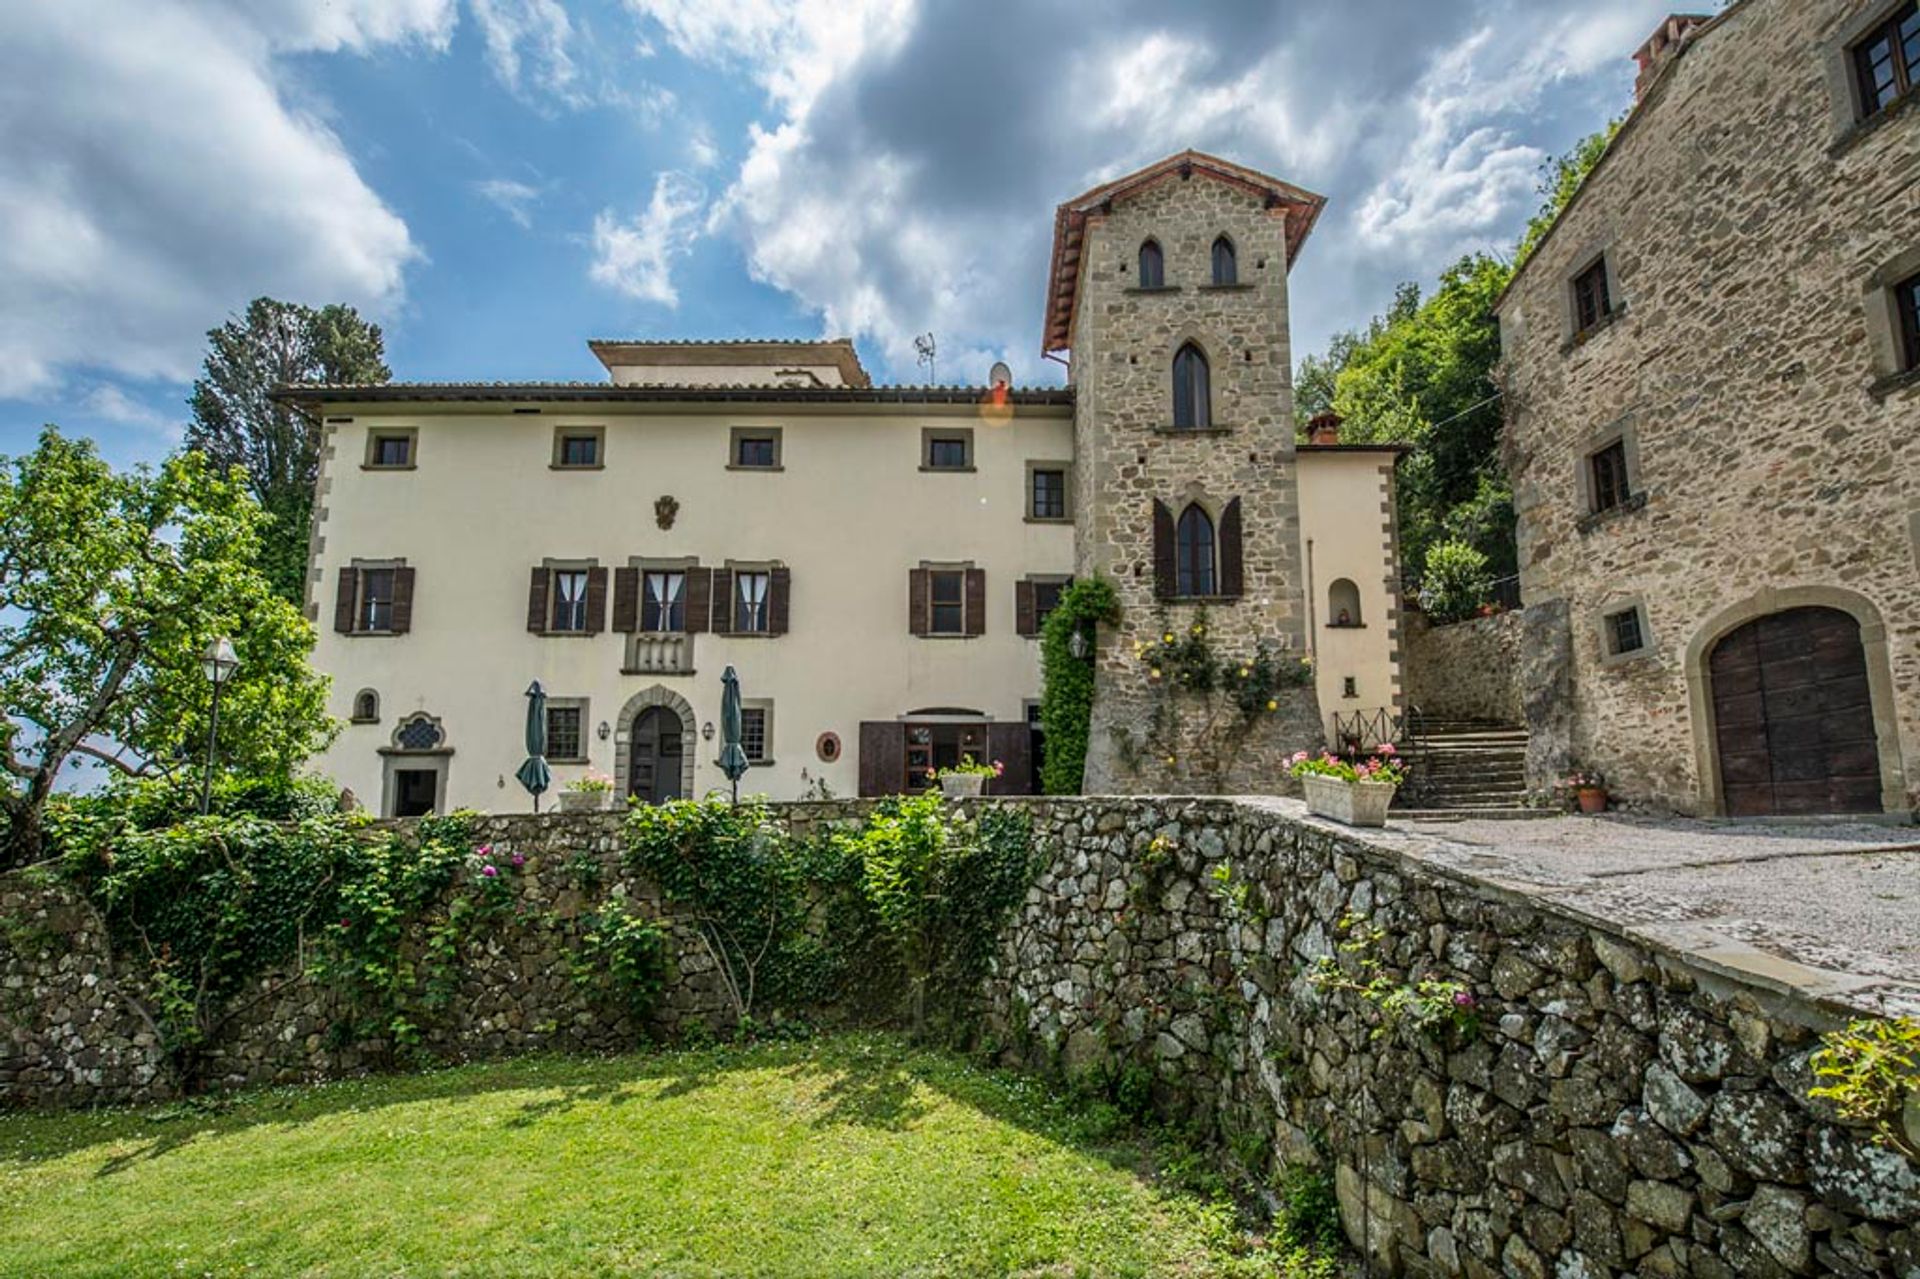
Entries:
{"x":1620,"y":1107}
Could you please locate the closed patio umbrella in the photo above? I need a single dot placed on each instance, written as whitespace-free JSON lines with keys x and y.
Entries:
{"x":534,"y":774}
{"x":733,"y":756}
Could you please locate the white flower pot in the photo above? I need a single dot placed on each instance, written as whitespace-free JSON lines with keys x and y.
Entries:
{"x":1355,"y":803}
{"x":584,"y":801}
{"x":961,"y":785}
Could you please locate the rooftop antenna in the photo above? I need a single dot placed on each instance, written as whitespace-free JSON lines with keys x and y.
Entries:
{"x":924,"y":344}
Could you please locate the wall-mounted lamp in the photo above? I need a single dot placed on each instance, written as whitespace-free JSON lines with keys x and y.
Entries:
{"x":604,"y":731}
{"x":1077,"y":644}
{"x":706,"y":731}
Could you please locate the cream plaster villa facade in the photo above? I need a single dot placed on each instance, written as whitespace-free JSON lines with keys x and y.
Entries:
{"x":873,"y":561}
{"x":1712,"y":370}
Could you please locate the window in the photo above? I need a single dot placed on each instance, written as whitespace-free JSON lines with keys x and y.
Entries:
{"x":1906,"y":300}
{"x":1625,"y":634}
{"x":1608,"y":469}
{"x":1153,"y":266}
{"x":946,"y":450}
{"x":663,"y":603}
{"x":566,"y":741}
{"x":1192,"y":400}
{"x":375,"y":612}
{"x":946,"y":594}
{"x":753,"y":733}
{"x":750,"y":602}
{"x":755,"y":449}
{"x":577,"y":448}
{"x":1194,"y":549}
{"x":419,"y":732}
{"x":1049,"y":494}
{"x":569,"y":600}
{"x":1225,"y":269}
{"x":1886,"y":65}
{"x":1046,"y":598}
{"x":1592,"y":299}
{"x":366,"y":707}
{"x":391,"y":450}
{"x":1349,"y":686}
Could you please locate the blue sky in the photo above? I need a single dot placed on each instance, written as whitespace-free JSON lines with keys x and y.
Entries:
{"x":496,"y":181}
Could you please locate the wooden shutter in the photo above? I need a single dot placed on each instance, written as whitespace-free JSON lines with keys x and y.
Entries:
{"x":537,"y":601}
{"x":917,"y":588}
{"x":1011,"y":745}
{"x":976,"y":601}
{"x":1232,"y":565}
{"x":722,"y":601}
{"x":699,"y":590}
{"x":402,"y":600}
{"x":343,"y":600}
{"x":1024,"y":622}
{"x":883,"y":758}
{"x":626,"y":600}
{"x":596,"y":600}
{"x":1166,"y":576}
{"x":779,"y":600}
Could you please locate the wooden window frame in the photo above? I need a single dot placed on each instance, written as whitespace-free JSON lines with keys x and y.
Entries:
{"x":1596,"y":275}
{"x":763,"y":706}
{"x":1184,"y":575}
{"x":594,"y":619}
{"x":580,"y":706}
{"x":929,"y":434}
{"x":742,"y":434}
{"x":1065,"y":470}
{"x":363,"y":598}
{"x":1196,"y":406}
{"x":1614,"y":619}
{"x":1231,"y":276}
{"x":375,"y":435}
{"x":736,"y":578}
{"x":1158,"y":278}
{"x":1610,"y":484}
{"x":934,"y":604}
{"x":562,"y":435}
{"x":646,"y":600}
{"x":1906,"y":75}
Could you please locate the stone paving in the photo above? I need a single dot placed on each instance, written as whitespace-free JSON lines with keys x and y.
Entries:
{"x":1842,"y":899}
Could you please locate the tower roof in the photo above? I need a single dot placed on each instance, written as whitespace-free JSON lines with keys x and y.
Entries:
{"x":1300,"y":207}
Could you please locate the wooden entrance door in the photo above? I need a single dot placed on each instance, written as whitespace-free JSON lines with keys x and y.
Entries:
{"x":1793,"y":716}
{"x":654,"y":748}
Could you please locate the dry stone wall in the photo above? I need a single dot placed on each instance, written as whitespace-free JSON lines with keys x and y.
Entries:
{"x":1466,"y":670}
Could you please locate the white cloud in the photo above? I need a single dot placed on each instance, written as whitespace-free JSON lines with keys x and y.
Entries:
{"x":529,"y":48}
{"x":701,"y":151}
{"x":515,"y":199}
{"x":112,"y":404}
{"x":153,"y":177}
{"x":636,"y":257}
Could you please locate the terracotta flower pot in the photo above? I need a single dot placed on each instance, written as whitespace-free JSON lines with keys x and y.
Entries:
{"x":1593,"y":799}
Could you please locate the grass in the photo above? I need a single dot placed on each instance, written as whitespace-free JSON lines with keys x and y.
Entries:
{"x":854,"y":1155}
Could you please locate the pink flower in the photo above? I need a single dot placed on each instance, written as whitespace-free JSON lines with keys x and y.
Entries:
{"x":998,"y":768}
{"x":1463,"y":999}
{"x":488,"y":871}
{"x":519,"y":859}
{"x":1384,"y":748}
{"x":485,"y":850}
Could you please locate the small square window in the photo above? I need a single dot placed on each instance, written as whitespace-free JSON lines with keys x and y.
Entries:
{"x":1886,"y":65}
{"x":756,"y":451}
{"x":663,"y":602}
{"x":569,"y":601}
{"x":753,"y":733}
{"x":750,"y":602}
{"x":1608,"y":469}
{"x":1049,"y":496}
{"x":947,"y":591}
{"x":1624,"y":633}
{"x":1046,"y":598}
{"x":393,"y":449}
{"x":376,"y":600}
{"x":1592,"y":297}
{"x":579,"y":450}
{"x":947,"y":453}
{"x":1906,"y":299}
{"x":564,"y":739}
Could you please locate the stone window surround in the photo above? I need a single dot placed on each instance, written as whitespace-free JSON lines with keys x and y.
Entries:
{"x":553,"y":566}
{"x":1215,"y":508}
{"x":360,"y":569}
{"x":928,"y":434}
{"x":396,"y":759}
{"x":1631,"y":604}
{"x":1191,"y":335}
{"x":645,"y":564}
{"x":775,"y":433}
{"x":1066,"y":481}
{"x":962,"y":567}
{"x":561,"y":434}
{"x":735,"y":568}
{"x":657,"y":695}
{"x":1624,"y":430}
{"x":761,"y":704}
{"x":1884,"y":336}
{"x":1600,"y":251}
{"x":377,"y":433}
{"x":1873,"y":644}
{"x":584,"y":706}
{"x":372,"y":717}
{"x":1850,"y":125}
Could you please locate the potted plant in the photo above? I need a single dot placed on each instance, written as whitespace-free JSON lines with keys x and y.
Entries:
{"x":967,"y":777}
{"x":1356,"y":792}
{"x":587,"y":794}
{"x":1589,"y":790}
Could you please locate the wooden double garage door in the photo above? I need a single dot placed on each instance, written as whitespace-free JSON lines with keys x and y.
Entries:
{"x":1793,"y":716}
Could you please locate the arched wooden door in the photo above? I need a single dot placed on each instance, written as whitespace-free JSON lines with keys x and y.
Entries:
{"x":655,"y":747}
{"x":1793,"y":716}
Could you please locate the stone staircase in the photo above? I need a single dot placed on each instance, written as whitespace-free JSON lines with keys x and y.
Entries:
{"x":1467,"y":768}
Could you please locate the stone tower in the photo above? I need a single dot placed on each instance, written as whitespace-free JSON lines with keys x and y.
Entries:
{"x":1170,"y":288}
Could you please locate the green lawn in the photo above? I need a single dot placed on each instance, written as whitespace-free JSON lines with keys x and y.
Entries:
{"x":857,"y":1155}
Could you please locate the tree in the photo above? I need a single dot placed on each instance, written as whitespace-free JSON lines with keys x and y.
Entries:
{"x":235,"y":423}
{"x":1561,"y":179}
{"x":111,"y":587}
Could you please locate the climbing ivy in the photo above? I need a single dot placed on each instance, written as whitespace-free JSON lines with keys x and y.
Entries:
{"x":1066,"y":696}
{"x":621,"y":958}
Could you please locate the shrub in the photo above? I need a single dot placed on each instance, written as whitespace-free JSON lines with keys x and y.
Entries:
{"x":1455,"y":582}
{"x":1066,"y":696}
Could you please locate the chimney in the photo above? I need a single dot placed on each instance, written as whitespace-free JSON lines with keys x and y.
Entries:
{"x":1663,"y":46}
{"x":1324,"y":428}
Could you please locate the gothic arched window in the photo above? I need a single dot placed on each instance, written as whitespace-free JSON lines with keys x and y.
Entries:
{"x":1153,"y":266}
{"x":1225,"y":269}
{"x":1193,"y":543}
{"x":1192,"y":397}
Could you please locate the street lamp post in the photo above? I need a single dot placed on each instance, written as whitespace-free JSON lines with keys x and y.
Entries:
{"x":218,"y":664}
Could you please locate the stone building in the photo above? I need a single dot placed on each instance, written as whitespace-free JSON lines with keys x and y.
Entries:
{"x":874,"y":561}
{"x":1712,"y":376}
